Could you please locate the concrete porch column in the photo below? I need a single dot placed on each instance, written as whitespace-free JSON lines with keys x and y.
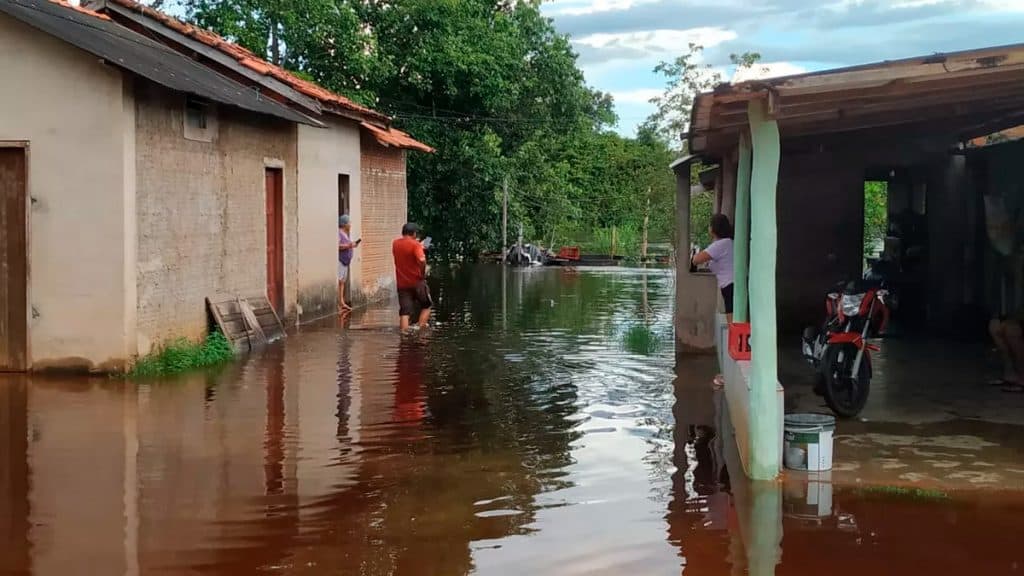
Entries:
{"x":765,"y":420}
{"x":696,"y":294}
{"x":741,"y":235}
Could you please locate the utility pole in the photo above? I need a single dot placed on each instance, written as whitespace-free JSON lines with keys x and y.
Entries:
{"x":504,"y":221}
{"x":647,"y":217}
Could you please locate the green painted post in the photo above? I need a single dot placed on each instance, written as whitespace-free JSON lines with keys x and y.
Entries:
{"x":765,"y":424}
{"x":741,"y":240}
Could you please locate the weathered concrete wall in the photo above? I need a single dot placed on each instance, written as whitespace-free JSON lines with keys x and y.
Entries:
{"x":202,"y":213}
{"x":76,"y":116}
{"x":384,"y":211}
{"x":324,"y":154}
{"x":821,"y":232}
{"x":697,"y":295}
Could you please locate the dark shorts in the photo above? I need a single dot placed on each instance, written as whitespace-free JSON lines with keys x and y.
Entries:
{"x":727,"y":298}
{"x":412,"y":300}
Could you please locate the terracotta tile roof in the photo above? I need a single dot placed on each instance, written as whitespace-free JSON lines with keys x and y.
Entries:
{"x":381,"y":131}
{"x":252,"y":61}
{"x":395,"y":137}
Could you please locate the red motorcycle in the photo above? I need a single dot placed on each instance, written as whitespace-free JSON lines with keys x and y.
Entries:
{"x":855,"y":312}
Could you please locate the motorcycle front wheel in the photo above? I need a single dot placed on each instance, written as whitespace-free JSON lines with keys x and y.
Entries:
{"x":845,"y":395}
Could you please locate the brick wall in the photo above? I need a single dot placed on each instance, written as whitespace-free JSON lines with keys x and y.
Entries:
{"x":384,"y":211}
{"x":202,"y":213}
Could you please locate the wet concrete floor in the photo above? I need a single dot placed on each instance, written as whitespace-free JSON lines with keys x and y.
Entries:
{"x":544,"y":426}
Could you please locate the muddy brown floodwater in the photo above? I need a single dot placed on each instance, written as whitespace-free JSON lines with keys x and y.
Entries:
{"x":543,"y":427}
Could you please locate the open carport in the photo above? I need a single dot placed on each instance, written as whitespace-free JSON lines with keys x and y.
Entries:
{"x":794,"y":154}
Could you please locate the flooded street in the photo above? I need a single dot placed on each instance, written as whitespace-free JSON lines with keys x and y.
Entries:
{"x":543,"y":427}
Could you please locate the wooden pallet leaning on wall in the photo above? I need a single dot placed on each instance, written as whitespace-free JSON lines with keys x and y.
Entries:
{"x":248,"y":323}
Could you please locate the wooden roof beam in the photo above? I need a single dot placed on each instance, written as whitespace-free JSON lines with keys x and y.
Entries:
{"x":942,"y":116}
{"x":982,"y":61}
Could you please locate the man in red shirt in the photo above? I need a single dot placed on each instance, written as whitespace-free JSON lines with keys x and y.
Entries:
{"x":411,"y":276}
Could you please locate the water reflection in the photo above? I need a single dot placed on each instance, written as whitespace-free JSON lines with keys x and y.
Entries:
{"x":522,"y":436}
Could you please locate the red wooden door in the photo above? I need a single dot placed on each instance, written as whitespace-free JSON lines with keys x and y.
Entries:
{"x":275,"y":239}
{"x":13,"y":261}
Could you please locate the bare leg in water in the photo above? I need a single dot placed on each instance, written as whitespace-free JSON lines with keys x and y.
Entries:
{"x":1009,"y":340}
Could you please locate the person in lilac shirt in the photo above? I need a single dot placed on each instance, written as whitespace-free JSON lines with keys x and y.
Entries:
{"x":345,"y":249}
{"x":718,"y":257}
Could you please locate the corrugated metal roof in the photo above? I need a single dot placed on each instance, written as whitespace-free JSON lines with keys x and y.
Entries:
{"x":249,"y":60}
{"x":127,"y":49}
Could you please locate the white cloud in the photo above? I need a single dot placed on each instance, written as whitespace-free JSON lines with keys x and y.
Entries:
{"x":593,"y":6}
{"x":637,"y":96}
{"x":648,"y":45}
{"x":763,"y":70}
{"x":671,"y":39}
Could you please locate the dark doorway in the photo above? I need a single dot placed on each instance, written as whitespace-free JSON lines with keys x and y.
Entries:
{"x":275,"y":239}
{"x":13,"y":260}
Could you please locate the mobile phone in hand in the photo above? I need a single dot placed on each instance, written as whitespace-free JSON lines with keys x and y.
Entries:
{"x":358,"y":242}
{"x":426,"y":242}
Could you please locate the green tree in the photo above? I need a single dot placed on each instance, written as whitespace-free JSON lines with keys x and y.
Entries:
{"x":495,"y":89}
{"x":323,"y":40}
{"x":686,"y":77}
{"x":876,"y":219}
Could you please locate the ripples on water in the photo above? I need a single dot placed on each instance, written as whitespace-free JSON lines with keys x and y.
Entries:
{"x":529,"y":433}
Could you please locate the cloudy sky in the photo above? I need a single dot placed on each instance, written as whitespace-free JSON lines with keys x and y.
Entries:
{"x":620,"y":41}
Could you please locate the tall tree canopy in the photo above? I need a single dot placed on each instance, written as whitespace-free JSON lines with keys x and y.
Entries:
{"x":495,"y":89}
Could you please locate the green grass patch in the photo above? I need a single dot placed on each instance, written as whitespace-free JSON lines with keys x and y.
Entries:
{"x":640,"y":339}
{"x":182,"y":356}
{"x":914,"y":493}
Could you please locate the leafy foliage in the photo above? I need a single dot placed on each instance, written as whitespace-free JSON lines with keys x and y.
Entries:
{"x":642,"y":340}
{"x":702,"y":207}
{"x":686,"y":77}
{"x":322,"y":40}
{"x":182,"y":356}
{"x":876,"y":218}
{"x":495,"y":89}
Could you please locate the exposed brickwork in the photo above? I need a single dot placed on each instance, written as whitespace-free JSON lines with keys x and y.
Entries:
{"x":384,"y":211}
{"x":202,"y":213}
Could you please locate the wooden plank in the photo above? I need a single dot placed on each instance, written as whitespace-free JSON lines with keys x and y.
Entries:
{"x":257,"y":338}
{"x":13,"y":259}
{"x":980,"y":62}
{"x":843,"y":122}
{"x":892,"y":93}
{"x":248,"y":323}
{"x":261,"y":308}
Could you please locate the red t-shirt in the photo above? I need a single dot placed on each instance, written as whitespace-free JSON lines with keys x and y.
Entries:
{"x":409,"y":261}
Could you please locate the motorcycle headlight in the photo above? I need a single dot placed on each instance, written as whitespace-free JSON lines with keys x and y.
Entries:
{"x":851,"y":304}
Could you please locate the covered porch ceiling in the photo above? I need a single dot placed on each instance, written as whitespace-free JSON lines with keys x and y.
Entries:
{"x":955,"y":96}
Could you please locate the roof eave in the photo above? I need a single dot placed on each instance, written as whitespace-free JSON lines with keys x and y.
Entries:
{"x":144,"y":16}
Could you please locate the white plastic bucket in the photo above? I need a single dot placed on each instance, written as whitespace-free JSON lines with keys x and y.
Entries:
{"x":808,"y":442}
